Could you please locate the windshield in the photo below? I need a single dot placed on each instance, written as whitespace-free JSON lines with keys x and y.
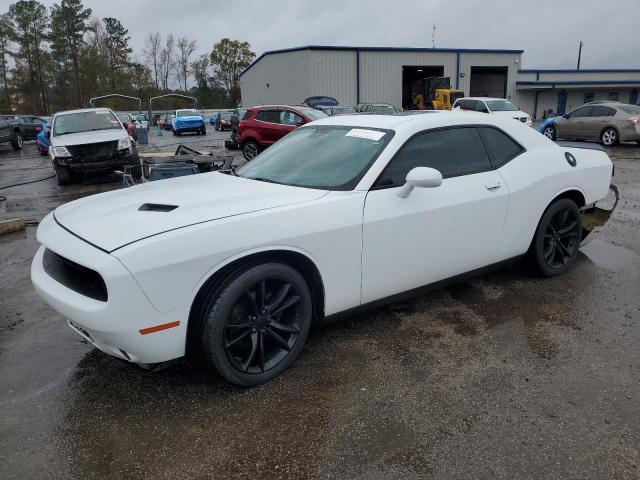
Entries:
{"x":630,"y":108}
{"x":187,"y":113}
{"x":384,"y":109}
{"x":321,"y":156}
{"x":85,"y":122}
{"x":312,"y":113}
{"x":342,"y":110}
{"x":501,"y":106}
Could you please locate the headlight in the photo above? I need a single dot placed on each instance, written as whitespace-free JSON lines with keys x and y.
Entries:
{"x":124,"y":143}
{"x":59,"y":152}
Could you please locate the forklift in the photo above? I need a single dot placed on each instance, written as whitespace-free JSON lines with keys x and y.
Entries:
{"x":435,"y":93}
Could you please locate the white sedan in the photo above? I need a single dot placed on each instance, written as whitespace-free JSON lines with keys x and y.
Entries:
{"x":344,"y":213}
{"x":495,"y":106}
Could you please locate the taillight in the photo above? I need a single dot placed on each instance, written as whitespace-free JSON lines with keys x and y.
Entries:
{"x":634,"y":120}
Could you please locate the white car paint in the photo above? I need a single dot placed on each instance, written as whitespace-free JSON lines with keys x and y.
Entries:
{"x":515,"y":114}
{"x":366,"y":244}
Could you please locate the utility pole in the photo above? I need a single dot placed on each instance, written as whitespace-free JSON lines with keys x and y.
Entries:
{"x":433,"y":37}
{"x":579,"y":55}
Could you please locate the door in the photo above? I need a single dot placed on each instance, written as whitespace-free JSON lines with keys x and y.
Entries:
{"x":598,"y":118}
{"x":29,"y":127}
{"x":562,"y":102}
{"x":268,"y":124}
{"x":5,"y":129}
{"x":570,"y":126}
{"x":289,"y":121}
{"x":434,"y":233}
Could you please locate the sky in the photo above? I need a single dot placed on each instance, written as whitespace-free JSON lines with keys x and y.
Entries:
{"x":548,"y":31}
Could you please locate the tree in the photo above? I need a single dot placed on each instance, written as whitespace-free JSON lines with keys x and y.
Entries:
{"x":68,"y":26}
{"x":5,"y":34}
{"x":152,"y":54}
{"x":185,"y":50}
{"x":199,"y":68}
{"x":29,"y":24}
{"x":117,"y":49}
{"x":167,"y":61}
{"x":230,"y":58}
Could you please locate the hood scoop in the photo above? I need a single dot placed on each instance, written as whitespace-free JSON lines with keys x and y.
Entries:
{"x":156,"y":207}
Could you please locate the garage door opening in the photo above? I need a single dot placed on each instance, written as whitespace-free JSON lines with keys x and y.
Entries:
{"x":488,"y":82}
{"x":412,"y":77}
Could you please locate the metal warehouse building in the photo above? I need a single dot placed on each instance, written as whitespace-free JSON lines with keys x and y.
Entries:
{"x":380,"y":74}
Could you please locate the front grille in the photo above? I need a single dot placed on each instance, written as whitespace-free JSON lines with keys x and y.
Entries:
{"x":103,"y":149}
{"x":80,"y":279}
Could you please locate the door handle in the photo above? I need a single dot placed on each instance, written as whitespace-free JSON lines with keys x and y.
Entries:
{"x":493,"y":185}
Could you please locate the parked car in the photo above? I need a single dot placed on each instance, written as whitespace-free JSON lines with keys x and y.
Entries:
{"x":320,"y":101}
{"x":345,"y":213}
{"x":338,"y":110}
{"x":263,"y":126}
{"x":168,"y":121}
{"x":376,"y":108}
{"x":233,"y":143}
{"x":495,"y":106}
{"x":188,"y":121}
{"x":43,"y":141}
{"x":607,"y":123}
{"x":11,"y":132}
{"x":30,"y":126}
{"x":91,"y":140}
{"x":129,"y":123}
{"x":222,"y":121}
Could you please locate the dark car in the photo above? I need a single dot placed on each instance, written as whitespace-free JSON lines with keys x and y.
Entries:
{"x":11,"y":131}
{"x":168,"y":124}
{"x":320,"y":101}
{"x":263,"y":126}
{"x":223,"y":121}
{"x":376,"y":108}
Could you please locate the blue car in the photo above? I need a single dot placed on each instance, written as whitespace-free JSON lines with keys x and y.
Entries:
{"x":43,"y":141}
{"x":188,"y":120}
{"x":544,"y":127}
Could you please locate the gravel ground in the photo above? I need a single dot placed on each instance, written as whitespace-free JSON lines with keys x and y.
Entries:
{"x":505,"y":376}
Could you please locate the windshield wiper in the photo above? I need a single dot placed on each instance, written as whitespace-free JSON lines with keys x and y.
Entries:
{"x":231,"y":169}
{"x":263,"y":179}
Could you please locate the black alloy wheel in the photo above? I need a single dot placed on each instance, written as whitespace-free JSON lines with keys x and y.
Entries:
{"x":258,"y":325}
{"x":558,"y":237}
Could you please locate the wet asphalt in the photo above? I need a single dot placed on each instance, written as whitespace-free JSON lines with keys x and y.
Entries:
{"x":504,"y":376}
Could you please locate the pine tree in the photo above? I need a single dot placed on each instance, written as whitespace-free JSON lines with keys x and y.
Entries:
{"x":118,"y":50}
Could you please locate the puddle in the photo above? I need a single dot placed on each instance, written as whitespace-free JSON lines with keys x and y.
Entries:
{"x":611,"y":257}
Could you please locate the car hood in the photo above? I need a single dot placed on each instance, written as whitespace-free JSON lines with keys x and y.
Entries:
{"x":83,"y":138}
{"x":114,"y":219}
{"x":193,"y":118}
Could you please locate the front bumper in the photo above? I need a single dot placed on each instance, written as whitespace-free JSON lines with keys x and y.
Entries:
{"x":98,"y":164}
{"x":113,"y":326}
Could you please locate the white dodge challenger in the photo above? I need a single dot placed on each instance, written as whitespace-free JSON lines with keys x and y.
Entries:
{"x":343,"y":213}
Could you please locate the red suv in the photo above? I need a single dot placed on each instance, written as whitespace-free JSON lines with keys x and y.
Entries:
{"x":263,"y":126}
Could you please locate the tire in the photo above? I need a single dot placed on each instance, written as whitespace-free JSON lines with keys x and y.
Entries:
{"x":557,"y":239}
{"x":17,"y":142}
{"x":203,"y":131}
{"x":250,"y":150}
{"x":63,"y":175}
{"x":136,"y":172}
{"x":550,"y":132}
{"x":609,"y":137}
{"x":251,"y":338}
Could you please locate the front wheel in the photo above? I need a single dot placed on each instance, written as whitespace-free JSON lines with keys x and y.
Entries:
{"x":557,"y":238}
{"x":250,"y":150}
{"x":257,"y":326}
{"x":550,"y":132}
{"x":17,"y":142}
{"x":609,"y":137}
{"x":203,"y":131}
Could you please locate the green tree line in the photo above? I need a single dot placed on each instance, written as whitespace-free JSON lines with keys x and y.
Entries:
{"x":58,"y":58}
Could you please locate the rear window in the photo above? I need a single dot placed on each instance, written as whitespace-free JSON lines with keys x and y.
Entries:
{"x":635,"y":109}
{"x":187,"y":113}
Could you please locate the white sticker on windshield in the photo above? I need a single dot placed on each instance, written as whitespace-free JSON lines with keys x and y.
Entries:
{"x":362,"y":133}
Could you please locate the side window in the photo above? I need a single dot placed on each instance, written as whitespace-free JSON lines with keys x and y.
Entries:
{"x":581,"y":112}
{"x":454,"y":152}
{"x":289,"y":118}
{"x":501,"y":147}
{"x":269,"y":116}
{"x":481,"y":107}
{"x":608,"y":112}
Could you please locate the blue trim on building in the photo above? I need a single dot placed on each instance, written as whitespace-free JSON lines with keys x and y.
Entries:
{"x":582,"y":70}
{"x":381,"y":49}
{"x":578,"y":82}
{"x":457,"y":70}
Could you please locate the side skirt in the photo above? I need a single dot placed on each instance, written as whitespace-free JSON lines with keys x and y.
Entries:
{"x":421,"y":290}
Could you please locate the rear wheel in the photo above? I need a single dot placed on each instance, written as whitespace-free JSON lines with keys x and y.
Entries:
{"x":203,"y":131}
{"x":17,"y":142}
{"x":550,"y":132}
{"x":609,"y":137}
{"x":257,"y":326}
{"x":63,"y":175}
{"x":250,"y":150}
{"x":557,"y":239}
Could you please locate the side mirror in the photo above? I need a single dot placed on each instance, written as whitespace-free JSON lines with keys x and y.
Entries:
{"x":420,"y":177}
{"x":566,"y":115}
{"x":299,"y":124}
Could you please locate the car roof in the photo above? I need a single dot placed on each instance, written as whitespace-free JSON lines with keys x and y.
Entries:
{"x":84,"y":110}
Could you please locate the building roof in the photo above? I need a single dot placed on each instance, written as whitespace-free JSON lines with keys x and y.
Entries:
{"x":381,"y":49}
